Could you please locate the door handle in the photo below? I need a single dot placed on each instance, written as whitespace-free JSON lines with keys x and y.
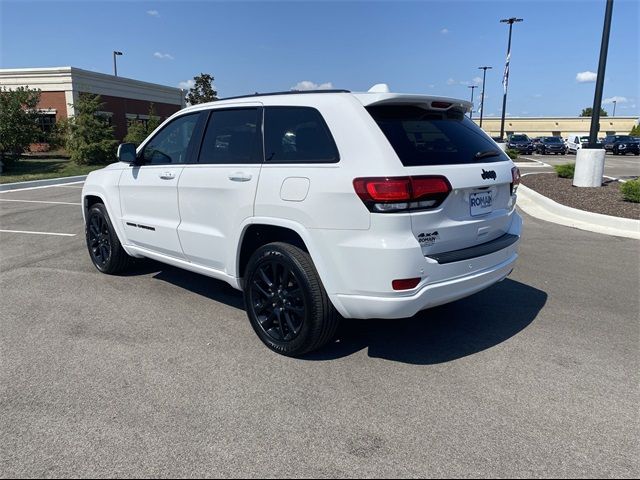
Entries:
{"x":167,"y":176}
{"x":240,"y":177}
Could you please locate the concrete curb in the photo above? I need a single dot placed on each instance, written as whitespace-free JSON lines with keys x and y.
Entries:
{"x":544,"y":208}
{"x":41,"y":183}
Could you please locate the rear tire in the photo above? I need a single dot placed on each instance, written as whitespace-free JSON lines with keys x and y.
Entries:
{"x":103,"y":244}
{"x":286,"y":302}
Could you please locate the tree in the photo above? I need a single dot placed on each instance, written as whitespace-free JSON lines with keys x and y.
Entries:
{"x":202,"y":91}
{"x":635,"y":131}
{"x":588,"y":112}
{"x":18,"y":122}
{"x":139,"y":130}
{"x":91,"y":138}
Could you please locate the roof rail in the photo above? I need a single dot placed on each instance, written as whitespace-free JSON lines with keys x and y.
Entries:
{"x":289,"y":92}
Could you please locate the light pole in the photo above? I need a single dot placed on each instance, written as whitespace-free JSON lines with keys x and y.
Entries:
{"x":614,"y":107}
{"x":590,"y":160}
{"x":484,"y":77}
{"x":472,"y":87}
{"x":115,"y":65}
{"x":505,"y":79}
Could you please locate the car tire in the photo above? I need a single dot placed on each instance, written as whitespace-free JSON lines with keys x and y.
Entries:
{"x":105,"y":249}
{"x":286,"y":302}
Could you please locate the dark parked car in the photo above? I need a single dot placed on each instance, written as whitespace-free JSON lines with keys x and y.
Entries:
{"x":521,"y":143}
{"x":621,"y":144}
{"x":553,"y":145}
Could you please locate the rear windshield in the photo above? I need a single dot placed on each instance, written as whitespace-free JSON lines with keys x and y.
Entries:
{"x":423,"y":137}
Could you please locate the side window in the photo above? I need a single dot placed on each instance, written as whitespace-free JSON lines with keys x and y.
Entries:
{"x":297,"y":135}
{"x":232,"y":136}
{"x":170,"y":145}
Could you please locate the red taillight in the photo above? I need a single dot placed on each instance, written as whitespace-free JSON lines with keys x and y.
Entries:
{"x":515,"y":179}
{"x":405,"y":283}
{"x":395,"y":194}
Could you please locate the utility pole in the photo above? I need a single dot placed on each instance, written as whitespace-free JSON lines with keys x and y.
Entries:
{"x":472,"y":87}
{"x":484,"y":77}
{"x":505,"y":79}
{"x":115,"y":65}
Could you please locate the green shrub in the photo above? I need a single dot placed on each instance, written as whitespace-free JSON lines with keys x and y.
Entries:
{"x":565,"y":170}
{"x":631,"y":191}
{"x":513,"y":154}
{"x":90,"y":140}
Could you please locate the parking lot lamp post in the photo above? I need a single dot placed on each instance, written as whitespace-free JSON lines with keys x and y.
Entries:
{"x":115,"y":65}
{"x":505,"y":78}
{"x":484,"y":78}
{"x":472,"y":87}
{"x":590,"y":160}
{"x":614,"y":107}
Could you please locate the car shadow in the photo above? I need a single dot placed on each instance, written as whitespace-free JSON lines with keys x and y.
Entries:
{"x":443,"y":333}
{"x":434,"y":336}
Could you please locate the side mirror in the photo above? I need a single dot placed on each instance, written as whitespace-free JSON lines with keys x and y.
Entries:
{"x":127,"y":153}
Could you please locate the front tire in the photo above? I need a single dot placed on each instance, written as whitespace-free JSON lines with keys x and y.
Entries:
{"x":286,"y":302}
{"x":103,"y":244}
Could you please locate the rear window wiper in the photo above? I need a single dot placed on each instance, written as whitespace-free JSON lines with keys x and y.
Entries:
{"x":487,"y":154}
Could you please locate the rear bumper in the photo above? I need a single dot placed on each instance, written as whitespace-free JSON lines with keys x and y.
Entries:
{"x":356,"y":306}
{"x":446,"y":278}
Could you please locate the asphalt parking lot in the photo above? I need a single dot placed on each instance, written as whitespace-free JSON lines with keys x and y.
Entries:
{"x":618,"y":166}
{"x":158,"y":372}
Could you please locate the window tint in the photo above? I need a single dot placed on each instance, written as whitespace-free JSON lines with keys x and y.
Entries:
{"x":232,"y":136}
{"x":297,"y":135}
{"x":423,"y":137}
{"x":170,"y":145}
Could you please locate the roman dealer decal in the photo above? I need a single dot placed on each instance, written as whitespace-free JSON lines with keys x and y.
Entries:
{"x":488,"y":174}
{"x":428,"y":238}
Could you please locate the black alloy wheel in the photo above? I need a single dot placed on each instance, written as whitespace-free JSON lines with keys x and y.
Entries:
{"x":286,"y":303}
{"x":99,"y":239}
{"x":277,"y":301}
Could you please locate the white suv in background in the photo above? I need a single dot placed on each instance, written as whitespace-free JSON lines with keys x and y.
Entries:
{"x":316,"y":204}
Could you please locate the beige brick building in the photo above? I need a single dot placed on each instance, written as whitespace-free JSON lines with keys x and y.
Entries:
{"x":557,"y":126}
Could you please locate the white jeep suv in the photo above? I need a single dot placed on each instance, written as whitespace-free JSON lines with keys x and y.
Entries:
{"x":316,"y":204}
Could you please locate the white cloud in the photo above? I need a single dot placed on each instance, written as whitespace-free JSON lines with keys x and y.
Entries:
{"x":477,"y":80}
{"x":586,"y":77}
{"x":537,"y":95}
{"x":187,"y":85}
{"x":451,"y":81}
{"x":431,"y":85}
{"x":610,"y":100}
{"x":163,"y":56}
{"x":308,"y":85}
{"x":444,"y":31}
{"x":153,"y":13}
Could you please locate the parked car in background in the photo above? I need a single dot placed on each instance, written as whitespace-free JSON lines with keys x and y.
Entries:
{"x":520,"y":142}
{"x":577,"y":141}
{"x":621,"y":144}
{"x":548,"y":145}
{"x":535,"y":141}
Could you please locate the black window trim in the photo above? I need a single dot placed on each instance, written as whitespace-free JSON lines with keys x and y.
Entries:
{"x":259,"y":130}
{"x":323,"y":122}
{"x":195,"y":138}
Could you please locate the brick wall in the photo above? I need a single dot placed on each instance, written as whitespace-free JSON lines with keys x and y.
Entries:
{"x":54,"y":100}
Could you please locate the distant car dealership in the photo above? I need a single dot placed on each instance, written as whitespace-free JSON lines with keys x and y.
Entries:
{"x":557,"y":126}
{"x":124,"y":99}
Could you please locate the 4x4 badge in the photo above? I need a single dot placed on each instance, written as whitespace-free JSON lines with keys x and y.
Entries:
{"x":487,"y":174}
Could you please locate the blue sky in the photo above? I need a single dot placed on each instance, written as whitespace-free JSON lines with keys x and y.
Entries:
{"x":417,"y":47}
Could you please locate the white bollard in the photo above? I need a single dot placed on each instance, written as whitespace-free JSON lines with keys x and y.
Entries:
{"x":589,"y":167}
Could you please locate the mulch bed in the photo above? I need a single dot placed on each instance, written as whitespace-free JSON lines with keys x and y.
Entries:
{"x":606,"y":199}
{"x":524,"y":160}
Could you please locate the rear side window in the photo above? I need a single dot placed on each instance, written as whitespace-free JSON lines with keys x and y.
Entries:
{"x":297,"y":135}
{"x":232,"y":136}
{"x":422,"y":137}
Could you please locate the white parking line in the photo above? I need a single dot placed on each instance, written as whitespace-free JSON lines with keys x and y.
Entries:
{"x":37,"y":201}
{"x":42,"y":186}
{"x":39,"y":233}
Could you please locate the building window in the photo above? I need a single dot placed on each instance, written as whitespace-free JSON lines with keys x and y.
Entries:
{"x":107,"y":117}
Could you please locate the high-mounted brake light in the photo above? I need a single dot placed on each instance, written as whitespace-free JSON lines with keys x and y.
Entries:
{"x":515,"y":179}
{"x":398,"y":194}
{"x":441,"y":104}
